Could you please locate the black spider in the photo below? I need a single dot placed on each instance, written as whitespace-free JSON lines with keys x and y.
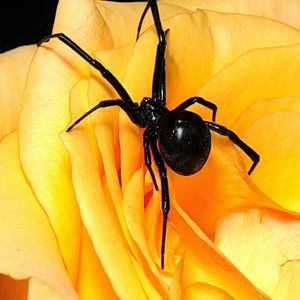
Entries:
{"x":179,"y":138}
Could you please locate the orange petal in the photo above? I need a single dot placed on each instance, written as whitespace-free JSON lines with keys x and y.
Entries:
{"x":189,"y":35}
{"x":100,"y":217}
{"x":54,"y":70}
{"x":191,"y":258}
{"x":122,"y":152}
{"x":275,"y":136}
{"x":28,"y":246}
{"x":284,"y":11}
{"x":11,"y":289}
{"x":205,"y":291}
{"x":14,"y":66}
{"x":93,"y":34}
{"x":258,"y":74}
{"x":82,"y":149}
{"x":220,"y":186}
{"x":93,"y":282}
{"x":134,"y":216}
{"x":176,"y":284}
{"x":235,"y":34}
{"x":264,"y":245}
{"x":203,"y":32}
{"x":123,"y":19}
{"x":203,"y":263}
{"x":139,"y":86}
{"x":261,"y":107}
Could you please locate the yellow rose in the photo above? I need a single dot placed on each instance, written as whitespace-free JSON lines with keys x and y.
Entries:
{"x":79,"y":217}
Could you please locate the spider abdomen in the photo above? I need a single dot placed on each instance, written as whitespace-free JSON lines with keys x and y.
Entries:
{"x":184,"y":141}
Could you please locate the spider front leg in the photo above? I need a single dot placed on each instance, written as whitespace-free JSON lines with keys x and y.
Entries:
{"x":159,"y":81}
{"x":142,"y":20}
{"x":94,"y":63}
{"x":236,"y":140}
{"x":201,"y":101}
{"x":165,"y":204}
{"x":159,"y":75}
{"x":106,"y":103}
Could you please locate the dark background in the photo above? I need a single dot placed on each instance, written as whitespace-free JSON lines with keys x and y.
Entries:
{"x":26,"y":22}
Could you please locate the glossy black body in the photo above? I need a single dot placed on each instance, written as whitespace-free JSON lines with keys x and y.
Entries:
{"x":184,"y":141}
{"x":178,"y":138}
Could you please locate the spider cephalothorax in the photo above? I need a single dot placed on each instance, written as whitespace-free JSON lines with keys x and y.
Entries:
{"x":179,"y":138}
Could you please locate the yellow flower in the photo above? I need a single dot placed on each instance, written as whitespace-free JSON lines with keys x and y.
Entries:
{"x":79,"y":216}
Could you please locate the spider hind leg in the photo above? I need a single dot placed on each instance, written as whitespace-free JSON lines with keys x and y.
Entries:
{"x":236,"y":140}
{"x":165,"y":204}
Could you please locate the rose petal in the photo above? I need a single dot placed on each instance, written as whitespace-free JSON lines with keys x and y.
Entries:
{"x":123,"y":138}
{"x":202,"y":263}
{"x":11,"y":289}
{"x":153,"y":228}
{"x":240,"y":84}
{"x":191,"y":257}
{"x":134,"y":216}
{"x":202,"y":32}
{"x":14,"y":66}
{"x":89,"y":31}
{"x":281,"y":10}
{"x":176,"y":286}
{"x":100,"y":216}
{"x":45,"y":113}
{"x":131,"y":204}
{"x":28,"y":246}
{"x":205,"y":291}
{"x":261,"y":107}
{"x":93,"y":282}
{"x":145,"y":49}
{"x":91,"y":272}
{"x":275,"y":174}
{"x":219,"y":187}
{"x":231,"y":40}
{"x":123,"y":19}
{"x":267,"y":251}
{"x":288,"y":284}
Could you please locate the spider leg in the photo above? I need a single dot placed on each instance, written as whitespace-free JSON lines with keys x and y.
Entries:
{"x":106,"y":103}
{"x":236,"y":140}
{"x":165,"y":206}
{"x":94,"y":63}
{"x":159,"y":76}
{"x":158,"y":82}
{"x":142,"y":20}
{"x":199,"y":100}
{"x":147,"y":156}
{"x":162,"y":90}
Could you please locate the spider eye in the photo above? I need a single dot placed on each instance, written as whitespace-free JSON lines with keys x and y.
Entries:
{"x":184,"y":141}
